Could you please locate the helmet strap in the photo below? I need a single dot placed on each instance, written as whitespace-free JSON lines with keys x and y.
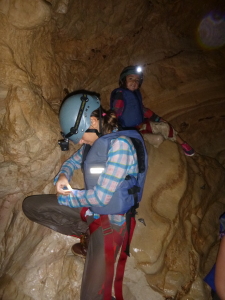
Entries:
{"x":74,"y":129}
{"x":98,"y":133}
{"x":100,"y":121}
{"x":94,"y":131}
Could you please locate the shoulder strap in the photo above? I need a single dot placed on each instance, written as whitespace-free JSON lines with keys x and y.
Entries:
{"x":138,"y":145}
{"x":84,"y":155}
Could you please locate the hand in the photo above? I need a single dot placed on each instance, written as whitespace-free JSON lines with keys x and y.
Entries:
{"x":62,"y":185}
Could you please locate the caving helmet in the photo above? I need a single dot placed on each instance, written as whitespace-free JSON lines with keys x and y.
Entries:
{"x":74,"y":116}
{"x":128,"y":71}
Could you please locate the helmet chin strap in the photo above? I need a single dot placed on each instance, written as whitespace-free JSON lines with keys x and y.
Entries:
{"x":100,"y":121}
{"x":94,"y":131}
{"x":99,"y":134}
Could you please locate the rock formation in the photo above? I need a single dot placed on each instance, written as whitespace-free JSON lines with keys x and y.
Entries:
{"x":50,"y":48}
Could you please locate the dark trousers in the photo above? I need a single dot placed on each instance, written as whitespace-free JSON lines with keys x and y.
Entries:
{"x":45,"y":210}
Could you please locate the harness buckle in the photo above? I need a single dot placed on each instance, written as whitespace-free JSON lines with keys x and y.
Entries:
{"x":107,"y":230}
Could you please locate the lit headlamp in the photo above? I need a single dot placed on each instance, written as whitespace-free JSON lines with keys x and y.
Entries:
{"x":131,"y":70}
{"x":139,"y":69}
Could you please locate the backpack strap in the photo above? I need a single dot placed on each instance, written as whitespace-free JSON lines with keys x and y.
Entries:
{"x":87,"y":148}
{"x":140,"y":154}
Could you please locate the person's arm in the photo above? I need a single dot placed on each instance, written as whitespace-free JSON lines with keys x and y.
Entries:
{"x":66,"y":172}
{"x":220,"y":271}
{"x":118,"y":104}
{"x":149,"y":114}
{"x":120,"y":158}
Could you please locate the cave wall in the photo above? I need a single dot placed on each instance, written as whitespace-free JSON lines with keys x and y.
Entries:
{"x":50,"y":48}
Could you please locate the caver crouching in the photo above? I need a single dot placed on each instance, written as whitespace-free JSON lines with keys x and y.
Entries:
{"x":114,"y":165}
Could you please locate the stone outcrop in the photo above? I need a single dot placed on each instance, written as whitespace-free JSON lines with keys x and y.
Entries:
{"x":173,"y":247}
{"x":181,"y":207}
{"x":50,"y":48}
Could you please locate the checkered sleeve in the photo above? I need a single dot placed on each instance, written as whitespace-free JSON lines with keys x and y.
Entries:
{"x":149,"y":114}
{"x":118,"y":104}
{"x":72,"y":164}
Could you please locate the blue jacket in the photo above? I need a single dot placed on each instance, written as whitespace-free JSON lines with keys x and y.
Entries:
{"x":133,"y":114}
{"x":123,"y":199}
{"x":210,"y":277}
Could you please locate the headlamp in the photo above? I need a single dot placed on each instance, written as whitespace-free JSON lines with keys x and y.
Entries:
{"x":64,"y":143}
{"x":139,"y":69}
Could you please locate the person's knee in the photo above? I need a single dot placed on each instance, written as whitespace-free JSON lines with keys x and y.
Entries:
{"x":26,"y":205}
{"x":159,"y":139}
{"x":162,"y":128}
{"x":154,"y":139}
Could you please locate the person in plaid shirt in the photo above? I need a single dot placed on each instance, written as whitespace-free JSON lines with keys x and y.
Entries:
{"x":70,"y":211}
{"x":126,"y":101}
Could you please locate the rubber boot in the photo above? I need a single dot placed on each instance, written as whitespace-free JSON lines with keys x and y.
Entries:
{"x":153,"y":139}
{"x":80,"y":249}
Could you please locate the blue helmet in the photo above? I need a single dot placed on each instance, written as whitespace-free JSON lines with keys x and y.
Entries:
{"x":74,"y":115}
{"x":131,"y":70}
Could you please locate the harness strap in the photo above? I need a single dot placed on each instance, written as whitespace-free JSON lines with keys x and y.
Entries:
{"x":171,"y":133}
{"x":118,"y":282}
{"x":109,"y":256}
{"x":144,"y":127}
{"x":82,"y":214}
{"x":130,"y":216}
{"x":110,"y":237}
{"x":148,"y":127}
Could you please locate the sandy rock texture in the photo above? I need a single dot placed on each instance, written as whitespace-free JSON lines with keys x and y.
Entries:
{"x":181,"y":206}
{"x":51,"y":48}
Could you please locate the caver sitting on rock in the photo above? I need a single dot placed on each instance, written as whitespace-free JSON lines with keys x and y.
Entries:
{"x":126,"y":101}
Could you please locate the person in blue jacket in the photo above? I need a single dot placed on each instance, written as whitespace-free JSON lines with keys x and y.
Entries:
{"x":114,"y":181}
{"x":127,"y":103}
{"x":216,"y":277}
{"x":220,"y":262}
